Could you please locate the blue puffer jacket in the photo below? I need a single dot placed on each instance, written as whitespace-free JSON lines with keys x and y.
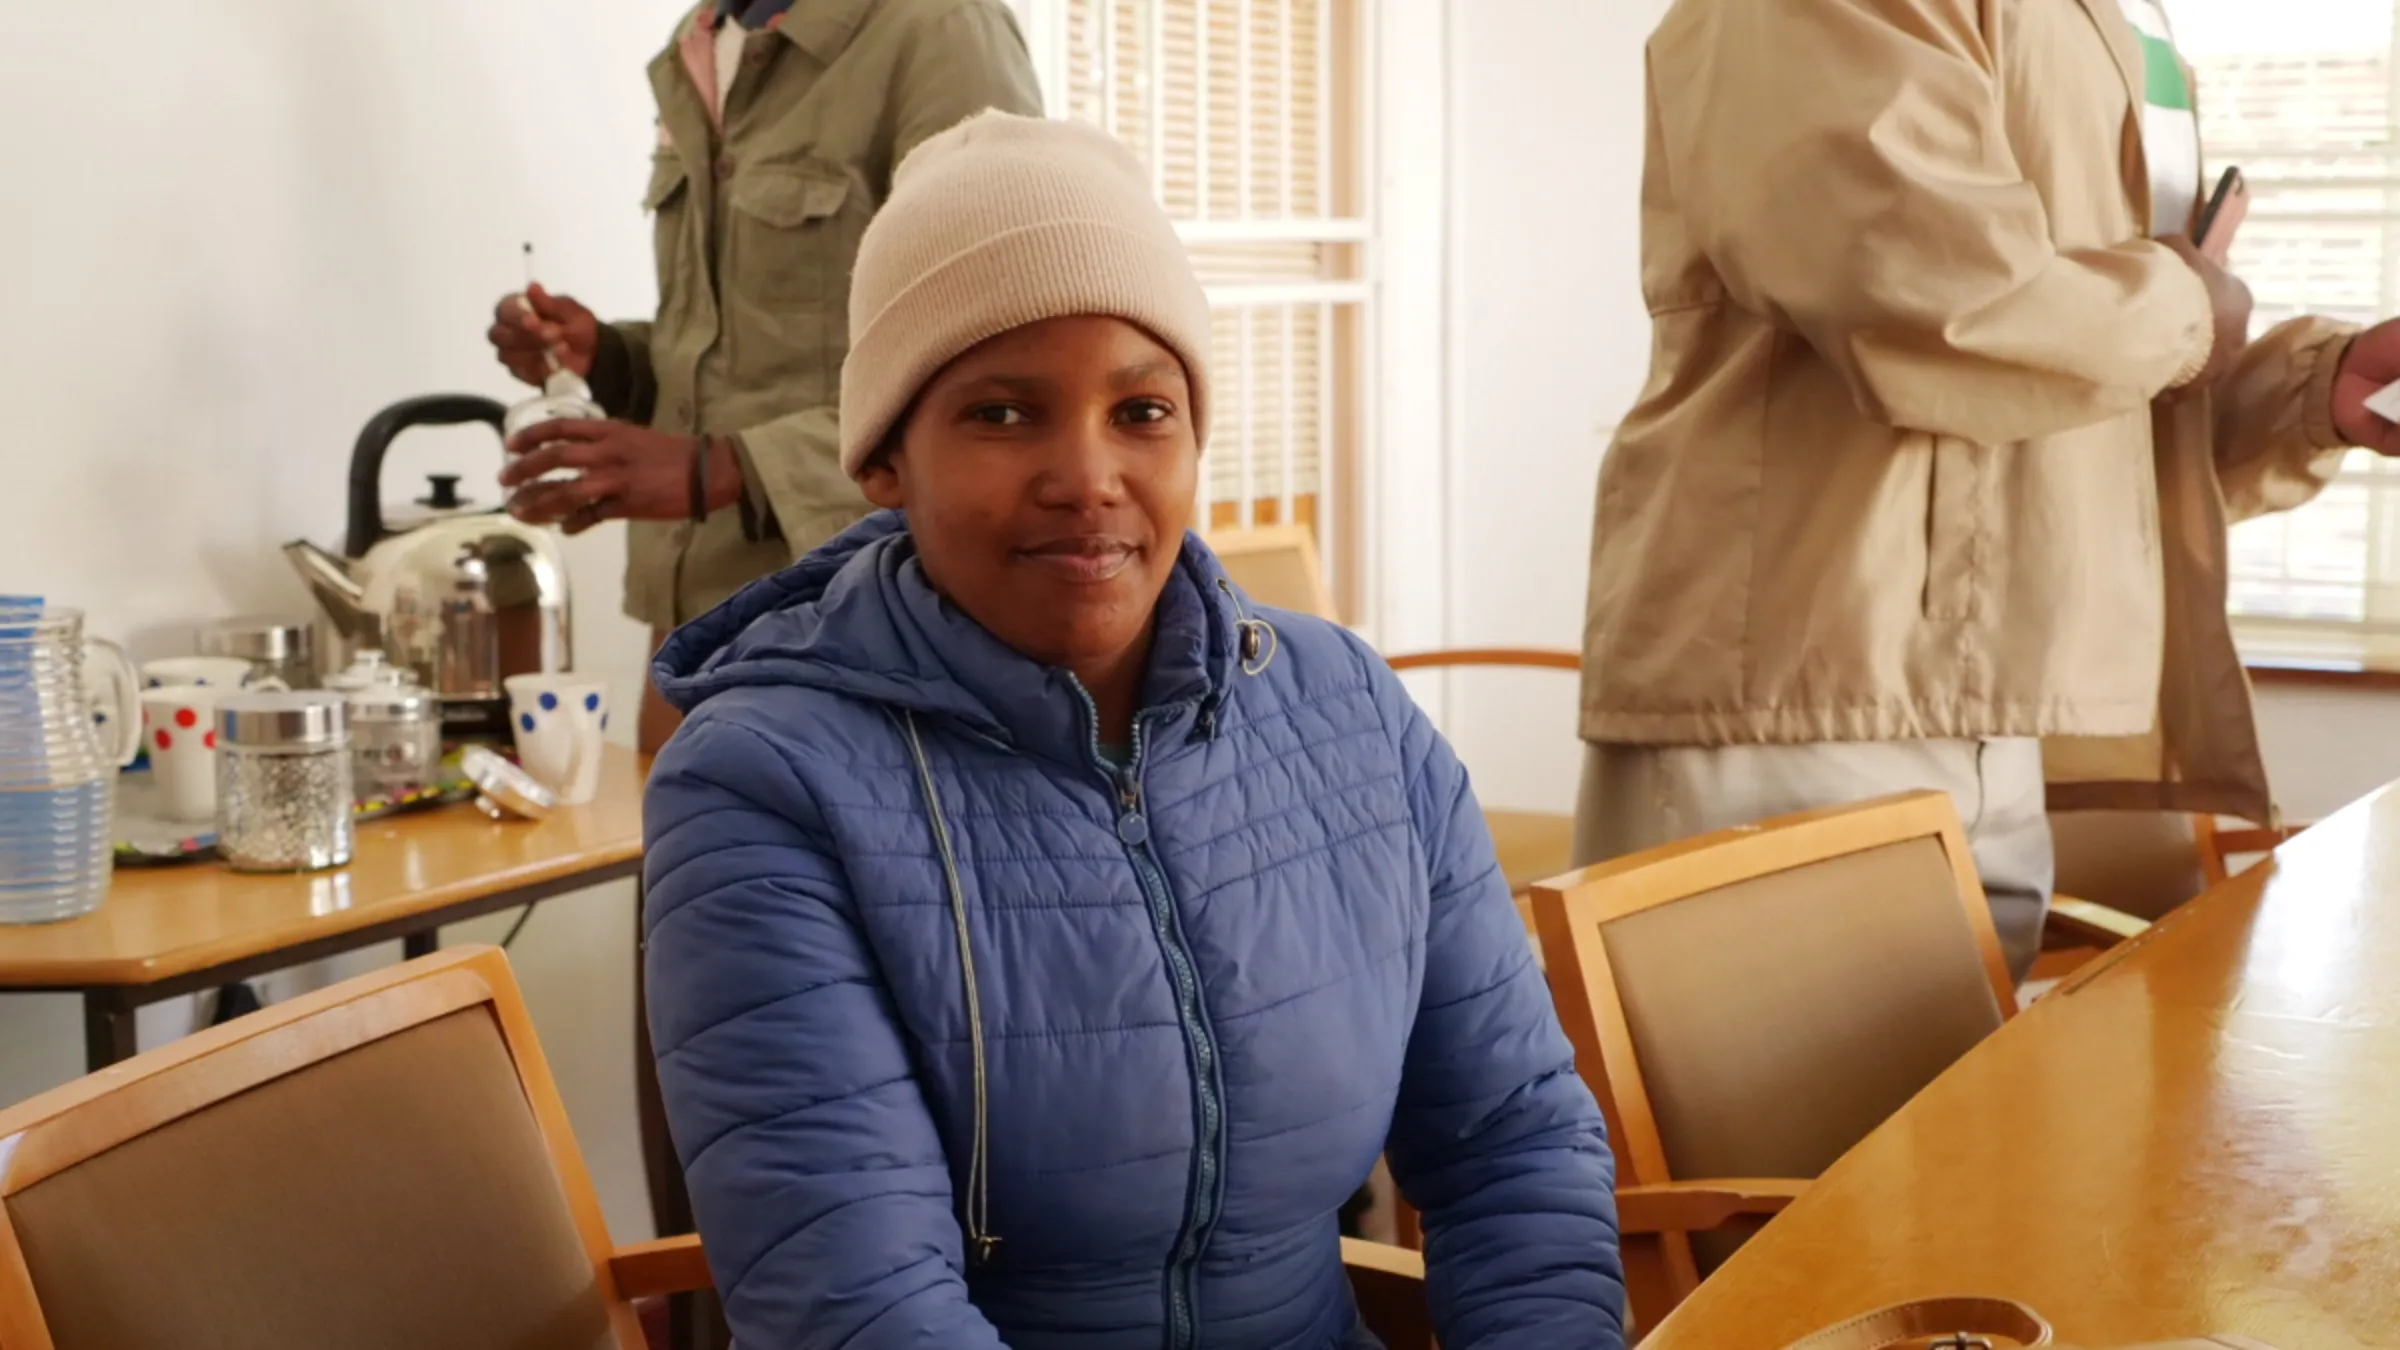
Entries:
{"x":1198,"y":994}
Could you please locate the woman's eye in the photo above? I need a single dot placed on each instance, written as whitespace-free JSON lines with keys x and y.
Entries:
{"x":1146,"y":410}
{"x":998,"y":415}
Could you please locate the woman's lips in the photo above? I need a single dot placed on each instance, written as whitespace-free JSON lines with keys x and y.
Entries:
{"x":1081,"y":561}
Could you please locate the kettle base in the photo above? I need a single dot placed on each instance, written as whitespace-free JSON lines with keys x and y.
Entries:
{"x":476,"y":719}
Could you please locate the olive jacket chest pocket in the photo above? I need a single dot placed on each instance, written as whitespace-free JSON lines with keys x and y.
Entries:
{"x":671,"y":226}
{"x":791,"y":234}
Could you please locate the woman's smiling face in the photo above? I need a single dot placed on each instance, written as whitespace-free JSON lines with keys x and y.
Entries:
{"x":1049,"y":475}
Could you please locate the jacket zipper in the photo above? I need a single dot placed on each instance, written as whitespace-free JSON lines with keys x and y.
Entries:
{"x":1133,"y":830}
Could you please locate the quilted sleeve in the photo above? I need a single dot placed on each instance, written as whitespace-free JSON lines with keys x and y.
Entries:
{"x":820,"y":1182}
{"x":1495,"y":1138}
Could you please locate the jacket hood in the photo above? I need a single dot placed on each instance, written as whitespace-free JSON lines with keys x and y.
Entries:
{"x":858,"y":617}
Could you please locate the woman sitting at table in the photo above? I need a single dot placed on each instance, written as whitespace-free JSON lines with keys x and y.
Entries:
{"x":1044,"y":942}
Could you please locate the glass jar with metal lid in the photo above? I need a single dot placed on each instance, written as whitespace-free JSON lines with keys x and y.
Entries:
{"x":395,"y":736}
{"x":283,"y":782}
{"x":275,"y":648}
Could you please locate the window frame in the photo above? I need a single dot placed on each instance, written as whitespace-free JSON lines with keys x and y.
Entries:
{"x":2280,"y":161}
{"x":1347,"y":300}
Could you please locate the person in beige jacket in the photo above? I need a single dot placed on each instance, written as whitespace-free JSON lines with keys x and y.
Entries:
{"x":1945,"y":422}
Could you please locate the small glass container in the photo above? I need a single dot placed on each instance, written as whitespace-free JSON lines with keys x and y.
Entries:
{"x":564,"y":397}
{"x":283,"y":782}
{"x":395,"y":737}
{"x":280,"y":649}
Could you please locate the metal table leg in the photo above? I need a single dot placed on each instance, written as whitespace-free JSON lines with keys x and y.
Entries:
{"x":107,"y":1028}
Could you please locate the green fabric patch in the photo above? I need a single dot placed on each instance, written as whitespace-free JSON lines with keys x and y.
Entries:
{"x":2166,"y":86}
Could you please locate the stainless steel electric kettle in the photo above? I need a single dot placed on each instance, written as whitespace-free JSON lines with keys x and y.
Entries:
{"x":461,"y":595}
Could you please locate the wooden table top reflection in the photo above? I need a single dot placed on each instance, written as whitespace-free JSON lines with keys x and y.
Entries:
{"x":2203,"y":1135}
{"x":168,"y":921}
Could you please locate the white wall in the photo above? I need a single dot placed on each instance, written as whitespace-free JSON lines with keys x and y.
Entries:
{"x":1549,"y":343}
{"x":1549,"y":346}
{"x":2326,"y":748}
{"x":236,"y":228}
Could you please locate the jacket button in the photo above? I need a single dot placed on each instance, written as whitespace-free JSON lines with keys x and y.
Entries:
{"x":724,"y":166}
{"x":1132,"y":828}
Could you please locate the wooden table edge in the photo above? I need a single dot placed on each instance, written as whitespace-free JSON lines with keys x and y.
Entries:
{"x":214,"y":962}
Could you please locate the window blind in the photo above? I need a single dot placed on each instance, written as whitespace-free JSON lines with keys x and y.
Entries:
{"x":1245,"y":113}
{"x":2301,"y":98}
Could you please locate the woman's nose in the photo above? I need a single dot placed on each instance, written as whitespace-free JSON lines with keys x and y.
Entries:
{"x":1085,"y":467}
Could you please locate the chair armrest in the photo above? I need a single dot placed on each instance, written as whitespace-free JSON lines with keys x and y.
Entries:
{"x":675,"y":1265}
{"x":1698,"y":1206}
{"x":2093,"y":922}
{"x":2241,"y":843}
{"x":1382,"y":1258}
{"x":1543,"y":657}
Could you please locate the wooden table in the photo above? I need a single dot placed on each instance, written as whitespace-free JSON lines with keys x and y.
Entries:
{"x":2202,"y":1135}
{"x":173,"y":930}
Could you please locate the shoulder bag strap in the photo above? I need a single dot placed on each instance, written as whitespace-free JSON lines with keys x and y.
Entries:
{"x":1962,"y":1323}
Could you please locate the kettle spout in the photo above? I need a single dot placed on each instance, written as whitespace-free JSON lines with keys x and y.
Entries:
{"x":330,"y":579}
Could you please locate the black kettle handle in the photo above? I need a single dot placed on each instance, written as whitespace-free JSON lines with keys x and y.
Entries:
{"x":366,"y":458}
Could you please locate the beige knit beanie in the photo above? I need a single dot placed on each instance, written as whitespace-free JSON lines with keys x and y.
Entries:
{"x":999,"y":222}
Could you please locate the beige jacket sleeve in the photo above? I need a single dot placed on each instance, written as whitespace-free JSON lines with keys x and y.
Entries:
{"x":2276,"y":446}
{"x":1861,"y":187}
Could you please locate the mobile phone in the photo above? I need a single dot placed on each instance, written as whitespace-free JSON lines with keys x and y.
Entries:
{"x":2229,"y":186}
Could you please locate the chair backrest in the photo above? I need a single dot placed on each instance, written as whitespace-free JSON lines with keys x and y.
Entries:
{"x":383,"y":1165}
{"x":1277,"y":565}
{"x":1751,"y":1003}
{"x":2142,"y":863}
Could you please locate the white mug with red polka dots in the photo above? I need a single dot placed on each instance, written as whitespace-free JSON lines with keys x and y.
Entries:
{"x":179,"y":730}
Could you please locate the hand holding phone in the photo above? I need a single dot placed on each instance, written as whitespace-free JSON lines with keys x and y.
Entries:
{"x":2222,"y":218}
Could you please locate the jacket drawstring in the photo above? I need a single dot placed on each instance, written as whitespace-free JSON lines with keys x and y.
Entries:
{"x":1259,"y":641}
{"x":981,"y":1241}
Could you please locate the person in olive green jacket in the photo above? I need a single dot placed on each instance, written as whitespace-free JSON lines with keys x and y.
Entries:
{"x":780,"y":123}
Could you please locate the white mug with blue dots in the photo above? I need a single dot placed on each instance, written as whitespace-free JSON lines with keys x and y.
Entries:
{"x":559,"y":720}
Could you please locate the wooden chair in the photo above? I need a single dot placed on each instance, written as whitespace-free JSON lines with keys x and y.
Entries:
{"x":1531,"y":844}
{"x":2119,"y":871}
{"x":2145,"y":863}
{"x":1751,"y":1003}
{"x":380,"y":1165}
{"x":1278,"y":565}
{"x":384,"y":1164}
{"x":1387,"y":1281}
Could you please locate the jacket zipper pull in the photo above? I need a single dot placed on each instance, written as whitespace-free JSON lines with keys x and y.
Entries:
{"x":1129,"y":791}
